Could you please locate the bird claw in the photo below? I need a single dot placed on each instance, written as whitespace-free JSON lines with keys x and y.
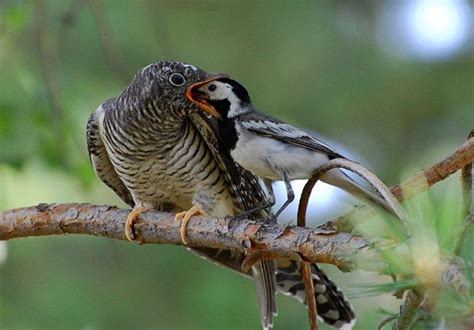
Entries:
{"x":184,"y":217}
{"x":131,"y":219}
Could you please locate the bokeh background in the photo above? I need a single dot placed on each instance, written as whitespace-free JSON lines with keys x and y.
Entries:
{"x":391,"y":83}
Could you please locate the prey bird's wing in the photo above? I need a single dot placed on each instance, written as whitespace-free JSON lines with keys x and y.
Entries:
{"x":100,"y":159}
{"x":264,"y":125}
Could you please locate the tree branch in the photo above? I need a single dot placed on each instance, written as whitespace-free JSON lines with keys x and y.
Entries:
{"x":272,"y":240}
{"x":161,"y":228}
{"x":466,"y":202}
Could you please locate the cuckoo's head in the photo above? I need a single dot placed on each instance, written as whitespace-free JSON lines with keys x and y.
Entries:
{"x":160,"y":88}
{"x":221,"y":96}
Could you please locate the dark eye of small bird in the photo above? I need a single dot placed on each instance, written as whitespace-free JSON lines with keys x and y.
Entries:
{"x":212,"y":88}
{"x":177,"y":79}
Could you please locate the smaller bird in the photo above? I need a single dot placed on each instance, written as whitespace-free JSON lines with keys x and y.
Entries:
{"x":268,"y":147}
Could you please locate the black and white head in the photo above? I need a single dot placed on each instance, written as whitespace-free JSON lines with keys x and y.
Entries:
{"x":161,"y":88}
{"x":222,"y":97}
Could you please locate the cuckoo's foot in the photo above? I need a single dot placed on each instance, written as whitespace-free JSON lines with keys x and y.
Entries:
{"x":131,"y":219}
{"x":184,"y":217}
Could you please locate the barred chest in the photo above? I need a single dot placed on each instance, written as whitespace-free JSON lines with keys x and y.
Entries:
{"x":176,"y":168}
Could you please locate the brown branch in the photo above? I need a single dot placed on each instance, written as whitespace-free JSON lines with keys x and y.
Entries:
{"x":386,"y":321}
{"x":466,"y":202}
{"x":306,"y":266}
{"x":310,"y":296}
{"x":416,"y":184}
{"x":273,"y":240}
{"x":420,"y":182}
{"x":161,"y":228}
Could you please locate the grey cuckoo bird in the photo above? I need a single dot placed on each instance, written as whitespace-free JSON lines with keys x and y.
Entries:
{"x":154,"y":149}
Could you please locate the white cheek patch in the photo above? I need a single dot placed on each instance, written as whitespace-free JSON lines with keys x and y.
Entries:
{"x":223,"y":91}
{"x":221,"y":94}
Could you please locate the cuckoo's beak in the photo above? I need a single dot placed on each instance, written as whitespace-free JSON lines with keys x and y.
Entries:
{"x":201,"y":99}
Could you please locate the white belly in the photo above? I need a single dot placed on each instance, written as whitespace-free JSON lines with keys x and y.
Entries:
{"x":269,"y":158}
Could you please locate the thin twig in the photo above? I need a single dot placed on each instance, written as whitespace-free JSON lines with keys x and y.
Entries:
{"x":466,"y":202}
{"x":385,"y":321}
{"x":420,"y":182}
{"x":306,"y":271}
{"x":416,"y":184}
{"x":310,"y":295}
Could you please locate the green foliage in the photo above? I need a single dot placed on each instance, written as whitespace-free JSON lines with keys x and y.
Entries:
{"x":434,"y":234}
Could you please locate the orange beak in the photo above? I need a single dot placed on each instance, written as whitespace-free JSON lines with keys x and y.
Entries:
{"x":199,"y":98}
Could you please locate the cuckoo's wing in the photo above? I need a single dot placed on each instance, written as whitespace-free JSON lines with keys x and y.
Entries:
{"x":332,"y":306}
{"x":245,"y":187}
{"x":335,"y":310}
{"x":100,"y":159}
{"x":264,"y":125}
{"x":248,"y":195}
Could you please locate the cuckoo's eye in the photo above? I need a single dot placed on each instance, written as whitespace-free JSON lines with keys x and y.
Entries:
{"x":177,"y":79}
{"x":212,"y":87}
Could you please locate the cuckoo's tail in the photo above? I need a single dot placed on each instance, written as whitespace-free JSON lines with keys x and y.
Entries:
{"x":331,"y":305}
{"x":263,"y":273}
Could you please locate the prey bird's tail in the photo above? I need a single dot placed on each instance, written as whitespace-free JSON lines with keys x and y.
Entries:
{"x":331,"y":305}
{"x":339,"y":179}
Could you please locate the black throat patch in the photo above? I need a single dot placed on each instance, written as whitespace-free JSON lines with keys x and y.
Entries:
{"x":227,"y":130}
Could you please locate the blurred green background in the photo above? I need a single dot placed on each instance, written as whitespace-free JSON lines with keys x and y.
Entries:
{"x":392,"y":82}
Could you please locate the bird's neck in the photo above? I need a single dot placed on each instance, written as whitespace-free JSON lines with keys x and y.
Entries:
{"x":228,"y":134}
{"x":153,"y":125}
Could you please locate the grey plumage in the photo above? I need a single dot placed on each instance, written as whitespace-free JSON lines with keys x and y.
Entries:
{"x":146,"y":146}
{"x":154,"y":148}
